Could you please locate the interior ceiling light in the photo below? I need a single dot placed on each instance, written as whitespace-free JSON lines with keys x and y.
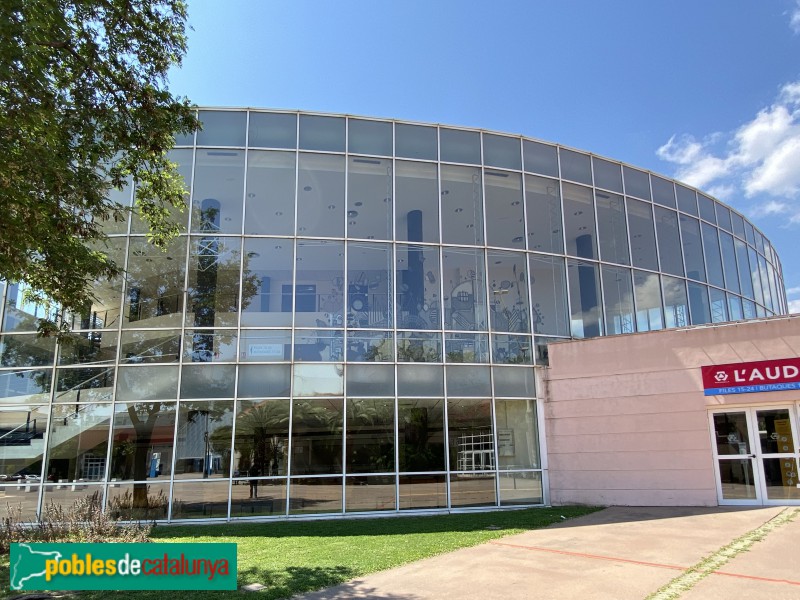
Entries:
{"x":351,"y":222}
{"x":458,"y":210}
{"x":369,"y":161}
{"x":445,"y":192}
{"x":517,"y":239}
{"x":278,"y":213}
{"x":515,"y":203}
{"x":352,"y":214}
{"x":359,"y":204}
{"x":331,"y":206}
{"x":307,"y":188}
{"x":251,"y":195}
{"x":493,"y":174}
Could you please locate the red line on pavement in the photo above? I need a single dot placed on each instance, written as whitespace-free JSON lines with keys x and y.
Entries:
{"x":757,"y":578}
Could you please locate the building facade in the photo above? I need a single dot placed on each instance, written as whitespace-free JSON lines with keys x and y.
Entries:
{"x":354,"y":320}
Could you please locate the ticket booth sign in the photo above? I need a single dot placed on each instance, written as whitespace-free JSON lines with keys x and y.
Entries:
{"x":745,"y":378}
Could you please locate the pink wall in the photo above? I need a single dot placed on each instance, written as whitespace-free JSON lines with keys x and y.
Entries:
{"x":626,"y":421}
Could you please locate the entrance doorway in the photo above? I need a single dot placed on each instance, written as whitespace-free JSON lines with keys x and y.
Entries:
{"x":756,"y":454}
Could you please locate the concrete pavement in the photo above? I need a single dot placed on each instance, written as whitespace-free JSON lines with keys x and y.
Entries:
{"x":618,"y":553}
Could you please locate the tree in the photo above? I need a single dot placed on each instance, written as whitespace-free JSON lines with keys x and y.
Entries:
{"x":85,"y":108}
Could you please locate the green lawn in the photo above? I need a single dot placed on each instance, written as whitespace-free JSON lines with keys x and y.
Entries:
{"x":295,"y":557}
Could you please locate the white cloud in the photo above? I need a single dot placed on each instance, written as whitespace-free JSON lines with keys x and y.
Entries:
{"x":794,"y":19}
{"x":794,"y":306}
{"x":793,"y":291}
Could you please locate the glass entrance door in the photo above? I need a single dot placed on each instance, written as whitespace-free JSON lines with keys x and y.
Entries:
{"x":756,"y":453}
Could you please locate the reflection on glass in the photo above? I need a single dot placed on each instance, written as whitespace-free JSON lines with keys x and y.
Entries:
{"x":315,"y":495}
{"x":472,"y":490}
{"x":261,"y":442}
{"x":258,"y":498}
{"x":416,"y":201}
{"x":263,"y":345}
{"x":506,"y":226}
{"x":669,"y":241}
{"x":466,"y":348}
{"x":319,"y":345}
{"x":77,"y":442}
{"x":154,"y":284}
{"x":464,"y":289}
{"x":318,"y":380}
{"x":508,"y":290}
{"x":269,"y":264}
{"x":729,"y":261}
{"x":143,"y":441}
{"x":322,"y":133}
{"x":579,"y":229}
{"x":613,"y":231}
{"x":730,"y":433}
{"x":370,"y":346}
{"x":643,"y":237}
{"x":320,"y":195}
{"x":369,"y":198}
{"x":96,"y":347}
{"x":200,"y":500}
{"x":272,"y":130}
{"x":549,"y":293}
{"x":420,"y":424}
{"x":618,"y":300}
{"x":743,"y":264}
{"x":370,"y":436}
{"x":84,"y":384}
{"x":202,"y":345}
{"x":420,"y":492}
{"x":21,"y":314}
{"x":687,"y":199}
{"x":719,"y":306}
{"x":207,"y":381}
{"x":29,"y":386}
{"x":218,"y":191}
{"x":584,"y":297}
{"x":780,"y":476}
{"x":698,"y":304}
{"x":265,"y":381}
{"x":543,"y":202}
{"x":23,"y":430}
{"x":470,"y":435}
{"x":415,"y":141}
{"x":420,"y":380}
{"x":775,"y":430}
{"x":317,"y":436}
{"x":419,"y":347}
{"x":462,"y":205}
{"x":319,"y":288}
{"x":147,"y":383}
{"x":468,"y":381}
{"x":713,"y":256}
{"x":663,"y":191}
{"x":148,"y":346}
{"x":269,"y":204}
{"x":521,"y":488}
{"x":517,"y":442}
{"x":369,"y":283}
{"x":648,"y":301}
{"x":104,"y":311}
{"x":418,"y":276}
{"x":706,"y":206}
{"x":540,"y":158}
{"x":152,"y":503}
{"x":511,"y":382}
{"x":637,"y":183}
{"x":511,"y":349}
{"x":369,"y":494}
{"x":26,"y":351}
{"x":203,"y":439}
{"x":222,"y":128}
{"x":692,"y":248}
{"x":676,"y":310}
{"x":460,"y":146}
{"x":736,"y":479}
{"x":213,"y":288}
{"x":501,"y":151}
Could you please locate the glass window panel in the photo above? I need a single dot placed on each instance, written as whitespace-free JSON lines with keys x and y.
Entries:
{"x":669,"y":241}
{"x":607,"y":174}
{"x":472,"y":490}
{"x":77,"y":443}
{"x":208,"y":381}
{"x":579,"y":221}
{"x":319,"y":287}
{"x":203,"y":442}
{"x":648,"y":301}
{"x":745,"y":275}
{"x":462,"y":205}
{"x":750,"y":234}
{"x":261,"y":441}
{"x":183,"y":159}
{"x":738,"y":224}
{"x":147,"y":383}
{"x":420,"y":380}
{"x":470,"y":435}
{"x":637,"y":183}
{"x":268,"y":267}
{"x":773,"y":289}
{"x":317,"y":436}
{"x":97,"y":347}
{"x":416,"y":202}
{"x":764,"y":276}
{"x":369,"y":198}
{"x":23,"y":430}
{"x":468,"y":381}
{"x":30,"y":386}
{"x":104,"y":311}
{"x":543,"y":200}
{"x":584,"y":295}
{"x":698,"y":304}
{"x":369,"y":283}
{"x":511,"y":350}
{"x":549,"y":292}
{"x":322,"y":133}
{"x":707,"y":210}
{"x":508,"y":292}
{"x":272,"y":130}
{"x":418,"y":280}
{"x":748,"y":309}
{"x":369,"y":137}
{"x":64,"y":499}
{"x":642,"y":233}
{"x":735,"y":307}
{"x":781,"y":478}
{"x":415,"y":141}
{"x":421,"y":492}
{"x":150,"y":504}
{"x":663,"y":191}
{"x":161,"y":346}
{"x":370,"y":346}
{"x":22,"y":315}
{"x":222,"y":128}
{"x":729,"y":261}
{"x":185,"y":139}
{"x":575,"y":166}
{"x":370,"y":436}
{"x":506,"y":227}
{"x":676,"y":309}
{"x":84,"y":384}
{"x":755,"y":277}
{"x":213,"y":287}
{"x":618,"y":300}
{"x":154,"y":284}
{"x":264,"y":381}
{"x":540,"y":158}
{"x":366,"y":494}
{"x":719,"y":306}
{"x":218,"y":191}
{"x":521,"y":488}
{"x":420,"y":425}
{"x":203,"y":345}
{"x":200,"y":500}
{"x":269,"y":204}
{"x":517,"y":435}
{"x":465,"y":291}
{"x":419,"y":347}
{"x":27,"y":350}
{"x":692,"y":248}
{"x":501,"y":151}
{"x":318,"y":380}
{"x":466,"y":348}
{"x":542,"y":350}
{"x":460,"y":146}
{"x":513,"y":383}
{"x":142,"y":442}
{"x":612,"y":228}
{"x":713,"y":256}
{"x":370,"y":380}
{"x":760,"y":242}
{"x":263,"y":345}
{"x":320,"y":345}
{"x":723,"y":217}
{"x":687,"y":199}
{"x":320,"y":195}
{"x":315,"y":495}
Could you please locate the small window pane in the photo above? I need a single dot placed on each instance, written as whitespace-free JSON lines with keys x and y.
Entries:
{"x":517,"y":442}
{"x":319,"y":289}
{"x":713,"y":256}
{"x":579,"y":225}
{"x":735,"y":307}
{"x":637,"y":183}
{"x":264,"y":381}
{"x":663,"y":191}
{"x":648,"y":301}
{"x":370,"y":437}
{"x":155,"y":284}
{"x":676,"y":309}
{"x":719,"y":305}
{"x":318,"y":380}
{"x":369,"y":137}
{"x":466,"y":348}
{"x":78,"y":442}
{"x":618,"y":300}
{"x":540,"y":158}
{"x":207,"y":381}
{"x":723,"y":217}
{"x":143,"y":441}
{"x":27,"y":351}
{"x":268,"y":267}
{"x":745,"y":273}
{"x":272,"y":130}
{"x":460,"y":146}
{"x":669,"y":241}
{"x":543,"y":200}
{"x":607,"y":175}
{"x":501,"y":151}
{"x":506,"y":227}
{"x":86,"y":384}
{"x":370,"y":380}
{"x":511,"y":350}
{"x":470,"y":432}
{"x":419,"y":347}
{"x":549,"y":293}
{"x":418,"y":276}
{"x":213,"y":287}
{"x":698,"y":304}
{"x":420,"y":380}
{"x":420,"y":424}
{"x":322,"y":133}
{"x":269,"y":205}
{"x":738,"y":224}
{"x":203,"y":443}
{"x":513,"y":383}
{"x":415,"y":141}
{"x":687,"y":200}
{"x":416,"y":202}
{"x":422,"y":491}
{"x":462,"y":205}
{"x":320,"y":196}
{"x":575,"y":166}
{"x":369,"y":285}
{"x":584,"y":297}
{"x":218,"y":191}
{"x":147,"y":346}
{"x":707,"y":210}
{"x":692,"y":248}
{"x":25,"y":387}
{"x":317,"y":436}
{"x":465,"y":289}
{"x":370,"y":346}
{"x":222,"y":128}
{"x":613,"y":231}
{"x":508,"y":309}
{"x":643,"y":237}
{"x":147,"y":383}
{"x":369,"y":198}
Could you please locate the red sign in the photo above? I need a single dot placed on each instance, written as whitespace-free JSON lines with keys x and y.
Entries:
{"x":761,"y":376}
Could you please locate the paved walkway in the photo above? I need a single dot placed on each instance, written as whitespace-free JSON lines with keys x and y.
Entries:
{"x":619,"y":553}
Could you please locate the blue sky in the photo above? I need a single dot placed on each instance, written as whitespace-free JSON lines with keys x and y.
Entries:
{"x":707,"y":92}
